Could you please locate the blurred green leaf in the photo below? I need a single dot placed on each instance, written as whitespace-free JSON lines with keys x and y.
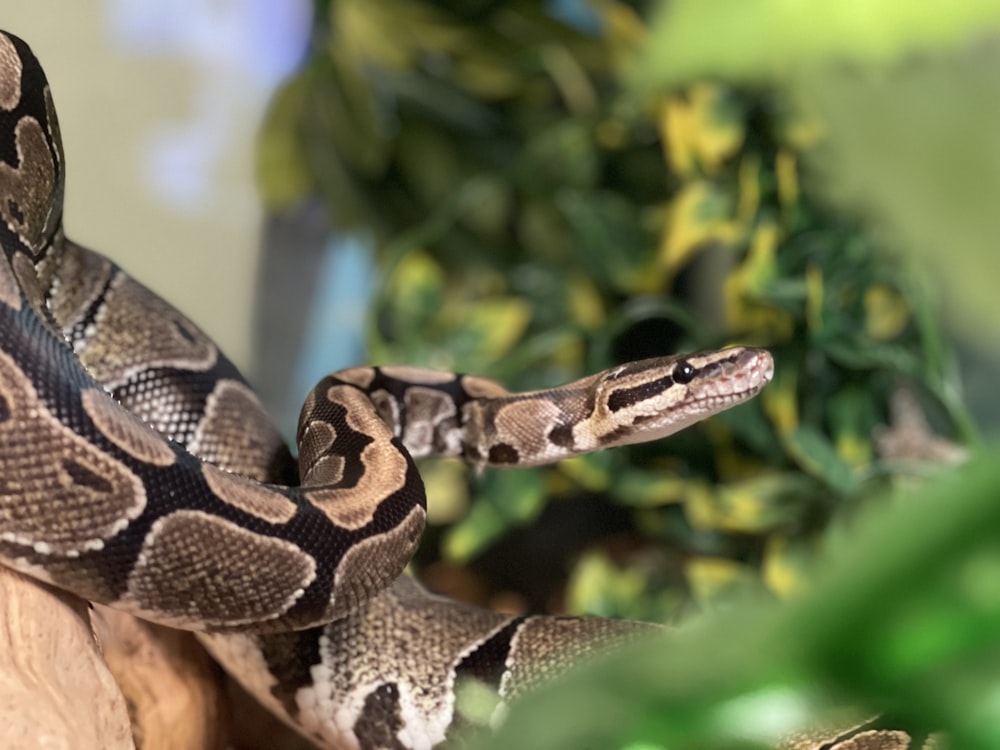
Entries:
{"x":916,"y":150}
{"x":598,"y":587}
{"x":759,"y":39}
{"x":694,"y":688}
{"x":817,"y":456}
{"x":607,"y":236}
{"x":754,"y":505}
{"x":505,"y":499}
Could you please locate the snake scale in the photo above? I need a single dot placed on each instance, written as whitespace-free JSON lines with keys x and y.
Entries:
{"x":138,"y":469}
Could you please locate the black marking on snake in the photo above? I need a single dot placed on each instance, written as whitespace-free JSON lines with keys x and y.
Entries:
{"x":5,"y":411}
{"x":502,"y":453}
{"x":487,"y":662}
{"x":486,"y":665}
{"x":640,"y":419}
{"x":290,"y":658}
{"x":84,"y":477}
{"x":380,"y":719}
{"x":89,"y":316}
{"x":347,"y":442}
{"x":562,"y":435}
{"x":625,"y":397}
{"x":15,"y":211}
{"x":390,"y":513}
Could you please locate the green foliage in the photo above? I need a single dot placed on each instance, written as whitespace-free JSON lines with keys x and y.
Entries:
{"x":538,"y":216}
{"x":928,"y":654}
{"x":909,"y":126}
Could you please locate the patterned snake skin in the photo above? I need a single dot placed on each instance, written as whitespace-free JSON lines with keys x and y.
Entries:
{"x":139,"y":470}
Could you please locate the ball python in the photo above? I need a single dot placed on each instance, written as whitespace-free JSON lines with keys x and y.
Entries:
{"x":138,"y":469}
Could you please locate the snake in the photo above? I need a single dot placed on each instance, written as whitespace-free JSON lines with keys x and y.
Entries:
{"x":139,"y":469}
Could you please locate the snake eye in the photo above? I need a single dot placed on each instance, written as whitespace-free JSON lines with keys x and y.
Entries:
{"x":684,"y":372}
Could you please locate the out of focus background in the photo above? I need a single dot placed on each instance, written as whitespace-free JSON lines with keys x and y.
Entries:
{"x":160,"y":104}
{"x":535,"y":190}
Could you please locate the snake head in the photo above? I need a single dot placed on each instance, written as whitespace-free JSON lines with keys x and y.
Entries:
{"x":653,"y":398}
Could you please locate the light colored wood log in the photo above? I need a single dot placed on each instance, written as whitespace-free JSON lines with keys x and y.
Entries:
{"x":175,"y":693}
{"x":55,"y":690}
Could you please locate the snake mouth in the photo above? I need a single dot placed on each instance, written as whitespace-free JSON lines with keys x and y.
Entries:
{"x":735,"y":375}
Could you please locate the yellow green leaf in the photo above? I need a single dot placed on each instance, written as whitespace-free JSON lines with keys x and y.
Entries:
{"x":780,"y":400}
{"x":598,"y":586}
{"x":447,"y":490}
{"x":784,"y":565}
{"x":886,"y":312}
{"x":499,"y":323}
{"x":712,"y":578}
{"x":696,"y":138}
{"x":698,"y":215}
{"x":589,"y":474}
{"x":744,"y":288}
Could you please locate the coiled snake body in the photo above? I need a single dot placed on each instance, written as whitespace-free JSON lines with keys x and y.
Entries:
{"x":138,"y":469}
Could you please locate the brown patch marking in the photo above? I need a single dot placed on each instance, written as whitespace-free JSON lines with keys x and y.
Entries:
{"x":315,"y":440}
{"x":80,"y":277}
{"x":562,"y":436}
{"x":325,"y":470}
{"x":125,"y":430}
{"x":368,"y":566}
{"x":524,"y":426}
{"x":385,"y":467}
{"x":478,"y":387}
{"x":136,"y":330}
{"x":30,"y":189}
{"x":417,"y":375}
{"x":199,"y":570}
{"x":359,"y":376}
{"x":10,"y":74}
{"x":251,"y":498}
{"x":236,"y":432}
{"x":501,"y":453}
{"x":387,"y":408}
{"x":45,"y":466}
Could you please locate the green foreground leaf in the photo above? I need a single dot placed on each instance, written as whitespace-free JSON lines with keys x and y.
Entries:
{"x":893,"y":618}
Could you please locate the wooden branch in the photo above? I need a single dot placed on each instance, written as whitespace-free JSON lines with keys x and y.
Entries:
{"x":175,"y":692}
{"x":55,"y":690}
